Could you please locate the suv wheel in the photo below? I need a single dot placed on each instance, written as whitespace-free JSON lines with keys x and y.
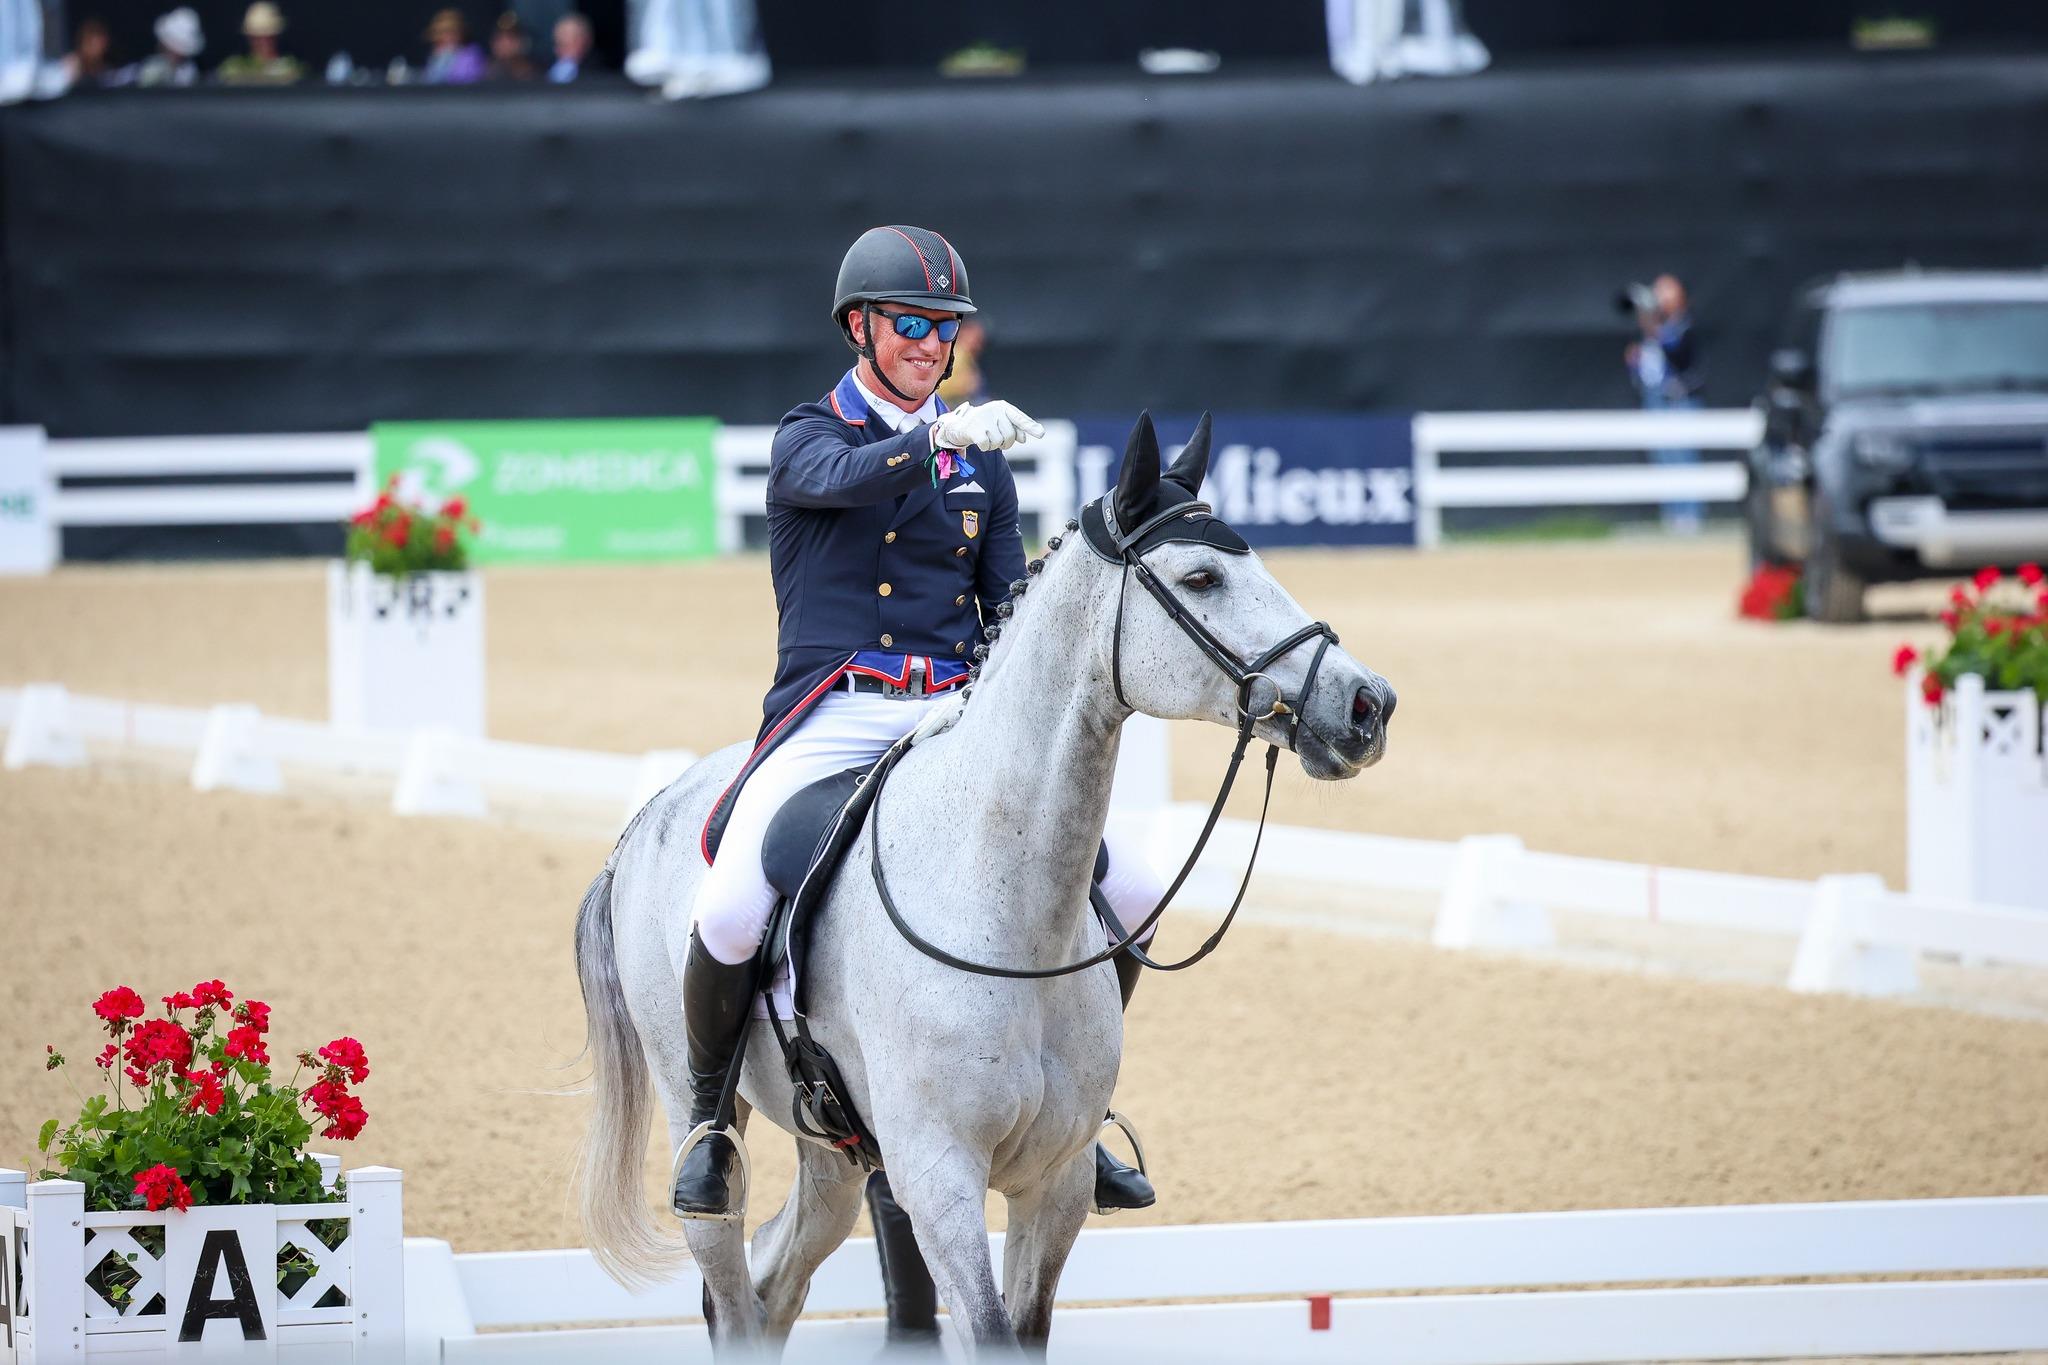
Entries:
{"x":1833,"y":592}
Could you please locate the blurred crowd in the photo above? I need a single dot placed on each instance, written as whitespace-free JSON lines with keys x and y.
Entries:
{"x":684,"y":47}
{"x":452,"y":55}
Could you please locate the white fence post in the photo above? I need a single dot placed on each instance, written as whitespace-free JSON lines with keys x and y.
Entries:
{"x":55,"y":1283}
{"x":229,"y":757}
{"x":436,"y":1307}
{"x":1833,"y":954}
{"x":377,"y":1259}
{"x":41,"y":732}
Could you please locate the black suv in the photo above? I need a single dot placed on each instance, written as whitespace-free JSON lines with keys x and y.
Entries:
{"x":1905,"y":433}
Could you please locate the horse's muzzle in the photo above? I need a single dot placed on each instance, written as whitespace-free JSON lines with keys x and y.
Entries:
{"x":1350,"y":729}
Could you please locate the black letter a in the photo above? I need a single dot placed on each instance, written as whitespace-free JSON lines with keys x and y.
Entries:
{"x":221,"y":1245}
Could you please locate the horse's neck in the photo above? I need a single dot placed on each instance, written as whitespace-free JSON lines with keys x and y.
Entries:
{"x":1036,"y":750}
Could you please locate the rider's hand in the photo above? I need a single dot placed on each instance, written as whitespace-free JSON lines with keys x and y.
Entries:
{"x":994,"y":425}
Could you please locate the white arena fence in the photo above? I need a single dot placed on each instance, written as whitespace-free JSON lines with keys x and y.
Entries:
{"x":331,"y":476}
{"x":1851,"y":933}
{"x":1314,"y":1282}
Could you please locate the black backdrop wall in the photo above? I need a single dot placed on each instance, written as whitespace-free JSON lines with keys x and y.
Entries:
{"x":220,"y":261}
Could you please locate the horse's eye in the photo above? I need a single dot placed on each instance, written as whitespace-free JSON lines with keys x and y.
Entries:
{"x":1201,"y":580}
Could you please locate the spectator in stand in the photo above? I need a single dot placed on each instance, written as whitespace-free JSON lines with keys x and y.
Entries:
{"x":511,"y":49}
{"x":572,"y":49}
{"x":1668,"y":371}
{"x":86,"y":63}
{"x":262,"y":64}
{"x":178,"y":42}
{"x":453,"y":59}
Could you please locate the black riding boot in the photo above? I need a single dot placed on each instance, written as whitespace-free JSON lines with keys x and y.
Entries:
{"x":1118,"y":1186}
{"x":906,"y":1280}
{"x":717,"y":1000}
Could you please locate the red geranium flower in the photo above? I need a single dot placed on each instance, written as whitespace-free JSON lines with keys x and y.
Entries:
{"x":246,"y":1042}
{"x":1995,"y":625}
{"x":255,"y":1014}
{"x":207,"y":1092}
{"x":1903,"y":660}
{"x":2031,"y":575}
{"x":136,"y":1075}
{"x":1931,"y":688}
{"x":347,"y":1054}
{"x":160,"y":1185}
{"x":211,"y":993}
{"x":1949,"y":619}
{"x":1987,"y":576}
{"x":454,"y":507}
{"x":180,"y":1000}
{"x":105,"y":1061}
{"x":118,"y":1004}
{"x":156,"y":1042}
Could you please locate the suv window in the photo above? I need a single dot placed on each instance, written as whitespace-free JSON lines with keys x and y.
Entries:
{"x":1924,"y":348}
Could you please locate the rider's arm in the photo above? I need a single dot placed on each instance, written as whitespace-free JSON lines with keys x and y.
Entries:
{"x":1002,"y":559}
{"x":812,"y":464}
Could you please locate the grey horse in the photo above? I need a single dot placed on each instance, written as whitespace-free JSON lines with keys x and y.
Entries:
{"x":987,"y":832}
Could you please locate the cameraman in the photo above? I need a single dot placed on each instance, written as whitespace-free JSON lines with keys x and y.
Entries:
{"x":1668,"y":372}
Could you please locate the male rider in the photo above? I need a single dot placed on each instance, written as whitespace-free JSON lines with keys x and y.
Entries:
{"x":892,"y":536}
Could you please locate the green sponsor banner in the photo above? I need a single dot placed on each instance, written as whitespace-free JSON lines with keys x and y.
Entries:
{"x":550,"y":492}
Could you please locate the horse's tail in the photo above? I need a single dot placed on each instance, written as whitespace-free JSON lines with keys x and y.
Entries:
{"x":621,"y":1232}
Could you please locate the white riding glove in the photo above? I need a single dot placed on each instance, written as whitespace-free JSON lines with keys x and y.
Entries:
{"x":994,"y":425}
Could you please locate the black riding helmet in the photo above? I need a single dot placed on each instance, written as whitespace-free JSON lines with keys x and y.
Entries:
{"x":899,"y":264}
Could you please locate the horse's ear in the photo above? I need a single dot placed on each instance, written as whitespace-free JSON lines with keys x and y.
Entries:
{"x":1140,"y":473}
{"x":1193,"y":465}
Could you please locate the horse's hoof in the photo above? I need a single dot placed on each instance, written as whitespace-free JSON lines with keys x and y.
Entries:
{"x":700,"y":1180}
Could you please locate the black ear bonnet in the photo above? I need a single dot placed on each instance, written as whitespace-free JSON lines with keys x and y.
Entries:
{"x":1144,"y":492}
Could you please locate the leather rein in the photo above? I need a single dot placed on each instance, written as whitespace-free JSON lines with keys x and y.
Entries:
{"x":1247,"y":677}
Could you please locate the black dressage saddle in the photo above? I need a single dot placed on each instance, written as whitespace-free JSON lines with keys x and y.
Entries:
{"x":806,"y":842}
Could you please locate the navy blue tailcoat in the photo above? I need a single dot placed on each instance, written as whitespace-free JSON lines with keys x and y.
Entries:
{"x":874,"y":563}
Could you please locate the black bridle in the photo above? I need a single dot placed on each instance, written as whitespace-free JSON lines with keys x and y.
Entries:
{"x":1123,"y":547}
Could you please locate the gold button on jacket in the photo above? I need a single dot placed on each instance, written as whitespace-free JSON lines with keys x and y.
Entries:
{"x":885,"y":590}
{"x":888,"y":640}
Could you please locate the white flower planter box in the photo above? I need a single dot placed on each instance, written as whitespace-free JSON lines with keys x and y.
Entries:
{"x":1976,"y":796}
{"x":405,"y":653}
{"x":212,"y":1293}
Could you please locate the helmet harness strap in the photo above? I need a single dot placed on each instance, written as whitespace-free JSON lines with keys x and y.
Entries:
{"x":866,"y":351}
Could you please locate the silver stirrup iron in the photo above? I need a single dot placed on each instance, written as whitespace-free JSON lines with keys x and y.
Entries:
{"x":1117,"y":1121}
{"x":739,"y":1205}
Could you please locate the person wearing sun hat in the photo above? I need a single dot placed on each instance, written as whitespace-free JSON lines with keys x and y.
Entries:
{"x":178,"y":41}
{"x":262,"y":64}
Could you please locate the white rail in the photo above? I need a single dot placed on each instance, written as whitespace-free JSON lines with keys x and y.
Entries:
{"x":1851,"y":933}
{"x":455,"y":1299}
{"x":1444,"y":433}
{"x":346,"y":458}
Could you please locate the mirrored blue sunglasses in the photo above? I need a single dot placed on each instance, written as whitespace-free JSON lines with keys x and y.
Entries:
{"x":912,"y":327}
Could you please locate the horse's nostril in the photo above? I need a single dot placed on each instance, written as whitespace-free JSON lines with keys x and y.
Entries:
{"x":1365,"y":708}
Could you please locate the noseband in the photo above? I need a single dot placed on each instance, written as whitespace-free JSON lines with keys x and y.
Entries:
{"x":1126,"y":548}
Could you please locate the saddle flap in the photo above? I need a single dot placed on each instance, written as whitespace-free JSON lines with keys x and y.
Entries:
{"x":798,"y":830}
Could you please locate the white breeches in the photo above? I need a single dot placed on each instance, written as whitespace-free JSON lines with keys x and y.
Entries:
{"x":844,"y":730}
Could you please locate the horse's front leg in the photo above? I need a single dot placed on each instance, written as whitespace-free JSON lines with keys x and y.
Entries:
{"x":822,"y":1207}
{"x":1043,"y":1225}
{"x":942,"y":1185}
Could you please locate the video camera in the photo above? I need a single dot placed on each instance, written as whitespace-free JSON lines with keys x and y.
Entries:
{"x":1637,"y":298}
